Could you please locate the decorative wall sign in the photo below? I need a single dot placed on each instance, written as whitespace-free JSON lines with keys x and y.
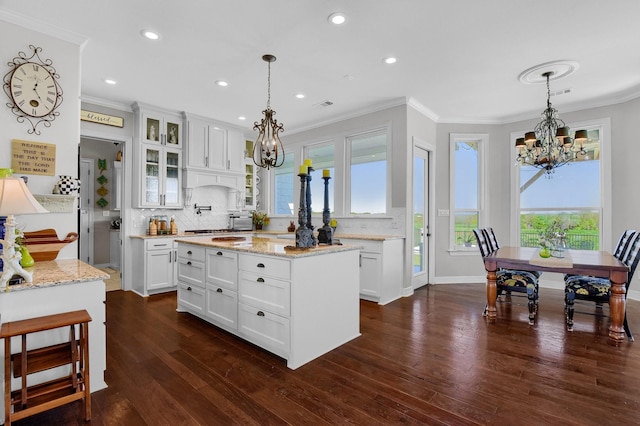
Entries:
{"x":96,"y":117}
{"x":33,"y":158}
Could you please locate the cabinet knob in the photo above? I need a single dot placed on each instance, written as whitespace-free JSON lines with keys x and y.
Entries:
{"x":260,"y":314}
{"x":189,"y":288}
{"x":260,"y":280}
{"x":189,"y":263}
{"x":260,"y":265}
{"x":219,"y":290}
{"x":219,"y":253}
{"x":189,"y":252}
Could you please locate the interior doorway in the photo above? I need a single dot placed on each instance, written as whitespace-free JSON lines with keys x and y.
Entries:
{"x":99,"y":216}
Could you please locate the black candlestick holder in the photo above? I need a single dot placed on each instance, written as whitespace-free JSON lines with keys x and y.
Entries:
{"x":325,"y":233}
{"x":309,"y":211}
{"x":304,"y":235}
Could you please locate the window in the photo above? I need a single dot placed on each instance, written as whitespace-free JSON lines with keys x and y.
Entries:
{"x":284,"y":186}
{"x":368,"y":173}
{"x":322,"y":157}
{"x":467,"y":189}
{"x":570,"y":199}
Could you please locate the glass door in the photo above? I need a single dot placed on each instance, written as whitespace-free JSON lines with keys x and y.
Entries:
{"x":152,"y":176}
{"x":172,"y":178}
{"x":420,"y":217}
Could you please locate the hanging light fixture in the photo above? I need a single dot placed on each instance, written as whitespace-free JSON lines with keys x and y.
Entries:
{"x":550,"y":145}
{"x":268,"y":150}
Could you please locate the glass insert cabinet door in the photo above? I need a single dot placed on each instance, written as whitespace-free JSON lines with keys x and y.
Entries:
{"x":152,"y":176}
{"x":160,"y":130}
{"x":172,"y":181}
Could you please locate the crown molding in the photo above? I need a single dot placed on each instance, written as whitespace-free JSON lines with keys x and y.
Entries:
{"x":44,"y":28}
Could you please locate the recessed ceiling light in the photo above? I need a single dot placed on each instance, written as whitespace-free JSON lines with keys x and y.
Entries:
{"x":109,"y":81}
{"x":390,"y":60}
{"x":300,"y":95}
{"x":337,"y":18}
{"x":151,"y":35}
{"x":222,"y":83}
{"x":242,"y":117}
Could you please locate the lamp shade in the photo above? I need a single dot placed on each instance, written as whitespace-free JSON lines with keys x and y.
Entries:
{"x":15,"y":198}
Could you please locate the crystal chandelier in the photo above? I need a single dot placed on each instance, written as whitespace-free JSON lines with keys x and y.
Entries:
{"x":268,"y":150}
{"x":550,"y":145}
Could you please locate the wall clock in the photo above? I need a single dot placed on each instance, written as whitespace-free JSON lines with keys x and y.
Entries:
{"x":33,"y":89}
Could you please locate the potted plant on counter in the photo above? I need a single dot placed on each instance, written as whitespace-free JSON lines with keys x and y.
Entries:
{"x":260,"y":219}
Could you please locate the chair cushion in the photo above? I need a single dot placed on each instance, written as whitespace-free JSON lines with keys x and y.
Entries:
{"x":588,"y":287}
{"x":516,"y":279}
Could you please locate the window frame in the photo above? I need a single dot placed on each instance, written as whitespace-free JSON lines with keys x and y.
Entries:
{"x":386,"y":130}
{"x":604,"y":126}
{"x":483,"y":140}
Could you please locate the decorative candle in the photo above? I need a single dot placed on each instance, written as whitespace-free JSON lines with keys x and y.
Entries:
{"x":303,"y":169}
{"x":307,"y":162}
{"x":326,"y":173}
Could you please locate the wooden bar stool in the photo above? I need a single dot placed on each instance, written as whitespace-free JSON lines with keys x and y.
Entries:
{"x":30,"y":400}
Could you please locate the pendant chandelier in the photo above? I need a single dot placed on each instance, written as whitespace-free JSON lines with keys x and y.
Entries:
{"x":268,"y":150}
{"x":550,"y":145}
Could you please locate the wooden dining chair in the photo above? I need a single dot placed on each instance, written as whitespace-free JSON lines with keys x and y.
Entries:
{"x":509,"y":280}
{"x":597,"y":289}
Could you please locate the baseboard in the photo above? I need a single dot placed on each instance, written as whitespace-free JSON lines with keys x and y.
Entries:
{"x":548,"y":280}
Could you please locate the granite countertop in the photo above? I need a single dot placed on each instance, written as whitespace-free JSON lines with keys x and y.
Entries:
{"x":269,"y":232}
{"x":60,"y":272}
{"x":267,"y":246}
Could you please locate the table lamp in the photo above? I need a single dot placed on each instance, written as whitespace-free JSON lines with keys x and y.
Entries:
{"x":15,"y":198}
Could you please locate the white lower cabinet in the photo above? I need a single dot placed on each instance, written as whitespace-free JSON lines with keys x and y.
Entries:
{"x":253,"y":296}
{"x":381,"y":268}
{"x":156,"y":260}
{"x":264,"y":328}
{"x":222,"y":288}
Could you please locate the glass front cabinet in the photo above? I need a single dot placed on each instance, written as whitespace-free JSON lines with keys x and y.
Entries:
{"x":162,"y":178}
{"x":159,"y":158}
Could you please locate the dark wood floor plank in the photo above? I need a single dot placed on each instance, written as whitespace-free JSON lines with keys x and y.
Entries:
{"x":427,"y":359}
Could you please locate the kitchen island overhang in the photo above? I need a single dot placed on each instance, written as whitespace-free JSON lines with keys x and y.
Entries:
{"x":296,"y":303}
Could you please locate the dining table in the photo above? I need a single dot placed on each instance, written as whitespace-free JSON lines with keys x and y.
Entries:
{"x":577,"y":262}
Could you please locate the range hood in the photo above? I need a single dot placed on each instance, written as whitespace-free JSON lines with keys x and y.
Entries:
{"x":196,"y":178}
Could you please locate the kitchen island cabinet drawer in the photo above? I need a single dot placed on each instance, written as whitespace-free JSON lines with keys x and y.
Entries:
{"x":191,"y":299}
{"x":222,"y":307}
{"x":264,"y":292}
{"x":265,"y":329}
{"x":158,"y":244}
{"x":222,"y":268}
{"x":192,"y":252}
{"x":191,"y":272}
{"x":265,"y":266}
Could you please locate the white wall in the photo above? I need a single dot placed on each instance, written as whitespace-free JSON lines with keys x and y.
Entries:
{"x":64,"y":131}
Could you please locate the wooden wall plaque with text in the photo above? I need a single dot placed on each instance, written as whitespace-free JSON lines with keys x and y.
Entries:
{"x":33,"y":158}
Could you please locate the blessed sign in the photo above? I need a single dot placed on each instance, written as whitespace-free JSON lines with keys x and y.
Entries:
{"x":33,"y":158}
{"x":95,"y":117}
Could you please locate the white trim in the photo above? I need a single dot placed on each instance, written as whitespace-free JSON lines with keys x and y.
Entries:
{"x":44,"y":28}
{"x":543,"y":283}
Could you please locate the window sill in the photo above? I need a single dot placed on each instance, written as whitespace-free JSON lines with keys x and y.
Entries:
{"x":471,"y":251}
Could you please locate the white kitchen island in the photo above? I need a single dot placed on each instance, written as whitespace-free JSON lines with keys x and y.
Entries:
{"x":295,"y":303}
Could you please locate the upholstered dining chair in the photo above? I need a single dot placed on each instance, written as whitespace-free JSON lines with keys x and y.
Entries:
{"x":509,"y":280}
{"x":598,"y":290}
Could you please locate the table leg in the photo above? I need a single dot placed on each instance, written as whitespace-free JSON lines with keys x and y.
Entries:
{"x":492,"y":294}
{"x":617,"y":306}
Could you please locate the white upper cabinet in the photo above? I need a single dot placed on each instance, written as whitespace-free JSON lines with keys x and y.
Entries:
{"x":158,"y":165}
{"x":213,"y":147}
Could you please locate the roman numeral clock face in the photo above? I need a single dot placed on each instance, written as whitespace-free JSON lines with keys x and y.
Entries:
{"x":33,"y":89}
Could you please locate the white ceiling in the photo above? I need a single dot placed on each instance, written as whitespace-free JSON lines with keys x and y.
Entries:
{"x":459,"y":59}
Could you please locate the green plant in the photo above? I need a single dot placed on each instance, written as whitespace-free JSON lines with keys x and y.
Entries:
{"x":260,"y":218}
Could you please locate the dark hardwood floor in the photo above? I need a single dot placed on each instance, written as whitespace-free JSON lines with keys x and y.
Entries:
{"x":428,"y":359}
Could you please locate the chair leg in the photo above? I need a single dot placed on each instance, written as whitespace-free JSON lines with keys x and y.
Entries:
{"x":533,"y":307}
{"x":569,"y":298}
{"x":626,"y":328}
